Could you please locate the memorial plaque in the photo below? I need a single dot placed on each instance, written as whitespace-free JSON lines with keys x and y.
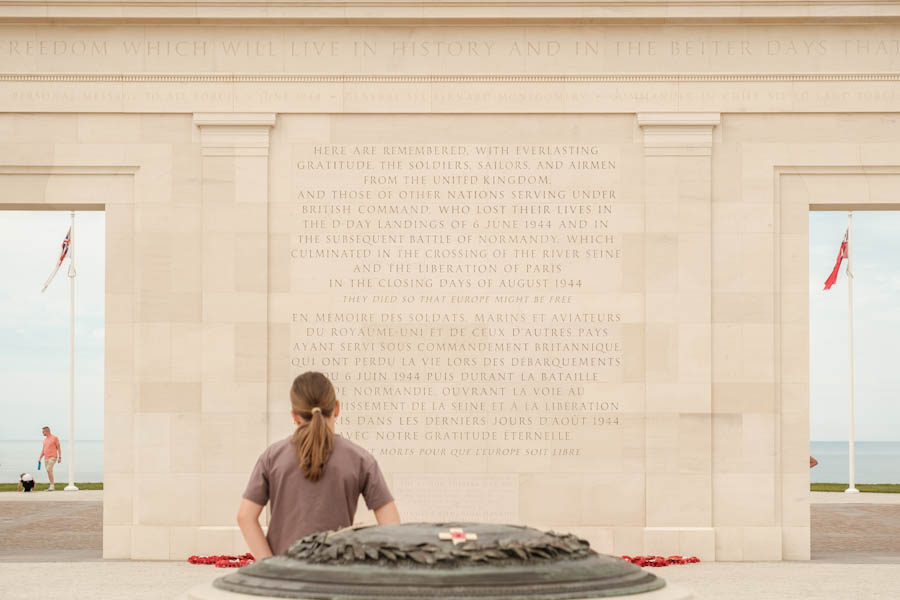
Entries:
{"x":472,"y":304}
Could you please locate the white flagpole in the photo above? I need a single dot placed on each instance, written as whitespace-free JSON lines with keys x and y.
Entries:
{"x":71,"y":487}
{"x":852,"y":489}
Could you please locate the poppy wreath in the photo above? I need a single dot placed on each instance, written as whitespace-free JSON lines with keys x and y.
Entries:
{"x":660,"y":561}
{"x":222,"y":561}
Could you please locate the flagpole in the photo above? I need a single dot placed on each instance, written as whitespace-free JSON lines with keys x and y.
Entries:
{"x":71,"y":487}
{"x":852,"y":489}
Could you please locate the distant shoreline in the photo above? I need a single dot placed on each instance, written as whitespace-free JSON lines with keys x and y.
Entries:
{"x":20,"y":456}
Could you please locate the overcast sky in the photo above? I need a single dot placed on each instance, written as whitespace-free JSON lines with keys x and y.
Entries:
{"x":876,"y":309}
{"x":34,"y":327}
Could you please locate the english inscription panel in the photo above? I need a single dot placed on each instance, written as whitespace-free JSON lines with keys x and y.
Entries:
{"x":466,"y":298}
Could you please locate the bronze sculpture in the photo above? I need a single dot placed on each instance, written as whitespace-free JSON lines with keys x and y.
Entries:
{"x":426,"y":560}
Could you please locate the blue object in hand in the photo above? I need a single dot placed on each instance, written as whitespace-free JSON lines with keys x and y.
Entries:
{"x":39,"y":465}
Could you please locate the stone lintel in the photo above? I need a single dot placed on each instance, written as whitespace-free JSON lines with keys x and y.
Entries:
{"x":234,"y":134}
{"x":678,"y":133}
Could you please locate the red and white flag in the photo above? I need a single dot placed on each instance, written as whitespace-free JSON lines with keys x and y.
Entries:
{"x":842,"y":254}
{"x":62,"y":257}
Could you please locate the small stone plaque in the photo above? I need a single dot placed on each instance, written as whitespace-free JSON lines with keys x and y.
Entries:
{"x":485,"y":497}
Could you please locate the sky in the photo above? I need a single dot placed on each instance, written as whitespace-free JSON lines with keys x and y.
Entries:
{"x":876,"y":327}
{"x":34,"y":327}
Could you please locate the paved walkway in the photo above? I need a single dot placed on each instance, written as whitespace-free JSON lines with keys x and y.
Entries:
{"x":55,"y":526}
{"x":102,"y":580}
{"x":55,"y":496}
{"x":857,"y":533}
{"x":861,"y":498}
{"x":786,"y":581}
{"x":64,"y":529}
{"x":114,"y":580}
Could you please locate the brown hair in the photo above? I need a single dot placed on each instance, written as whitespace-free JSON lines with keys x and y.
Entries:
{"x":313,"y":400}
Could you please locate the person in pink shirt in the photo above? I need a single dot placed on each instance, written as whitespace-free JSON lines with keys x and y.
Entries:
{"x":51,"y":453}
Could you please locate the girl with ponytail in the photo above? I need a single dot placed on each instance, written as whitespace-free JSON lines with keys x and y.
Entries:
{"x":312,"y":479}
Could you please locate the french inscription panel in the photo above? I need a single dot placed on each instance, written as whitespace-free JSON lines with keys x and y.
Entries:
{"x":472,"y":302}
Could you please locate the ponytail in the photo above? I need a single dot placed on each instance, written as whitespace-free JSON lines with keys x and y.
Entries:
{"x":313,"y":400}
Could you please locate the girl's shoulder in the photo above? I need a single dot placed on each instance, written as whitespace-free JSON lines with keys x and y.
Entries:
{"x":349,"y":449}
{"x":273,"y":451}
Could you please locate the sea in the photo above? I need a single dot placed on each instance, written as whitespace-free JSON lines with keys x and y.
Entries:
{"x":876,"y":462}
{"x":18,"y":457}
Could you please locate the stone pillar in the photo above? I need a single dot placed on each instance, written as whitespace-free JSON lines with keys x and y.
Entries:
{"x":234,"y":338}
{"x":678,"y":338}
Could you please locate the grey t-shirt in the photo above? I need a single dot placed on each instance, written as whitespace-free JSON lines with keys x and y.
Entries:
{"x":300,"y":506}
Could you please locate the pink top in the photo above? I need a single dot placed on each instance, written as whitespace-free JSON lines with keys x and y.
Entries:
{"x":51,"y":443}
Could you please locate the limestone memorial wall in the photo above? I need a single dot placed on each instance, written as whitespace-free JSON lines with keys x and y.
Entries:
{"x":553,"y":257}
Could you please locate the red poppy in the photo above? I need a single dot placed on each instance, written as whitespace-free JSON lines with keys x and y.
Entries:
{"x":222,"y":561}
{"x":659,"y":561}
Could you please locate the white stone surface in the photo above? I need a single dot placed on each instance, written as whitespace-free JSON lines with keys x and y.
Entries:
{"x":725,"y":131}
{"x":861,"y":498}
{"x":57,"y":495}
{"x":708,"y":581}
